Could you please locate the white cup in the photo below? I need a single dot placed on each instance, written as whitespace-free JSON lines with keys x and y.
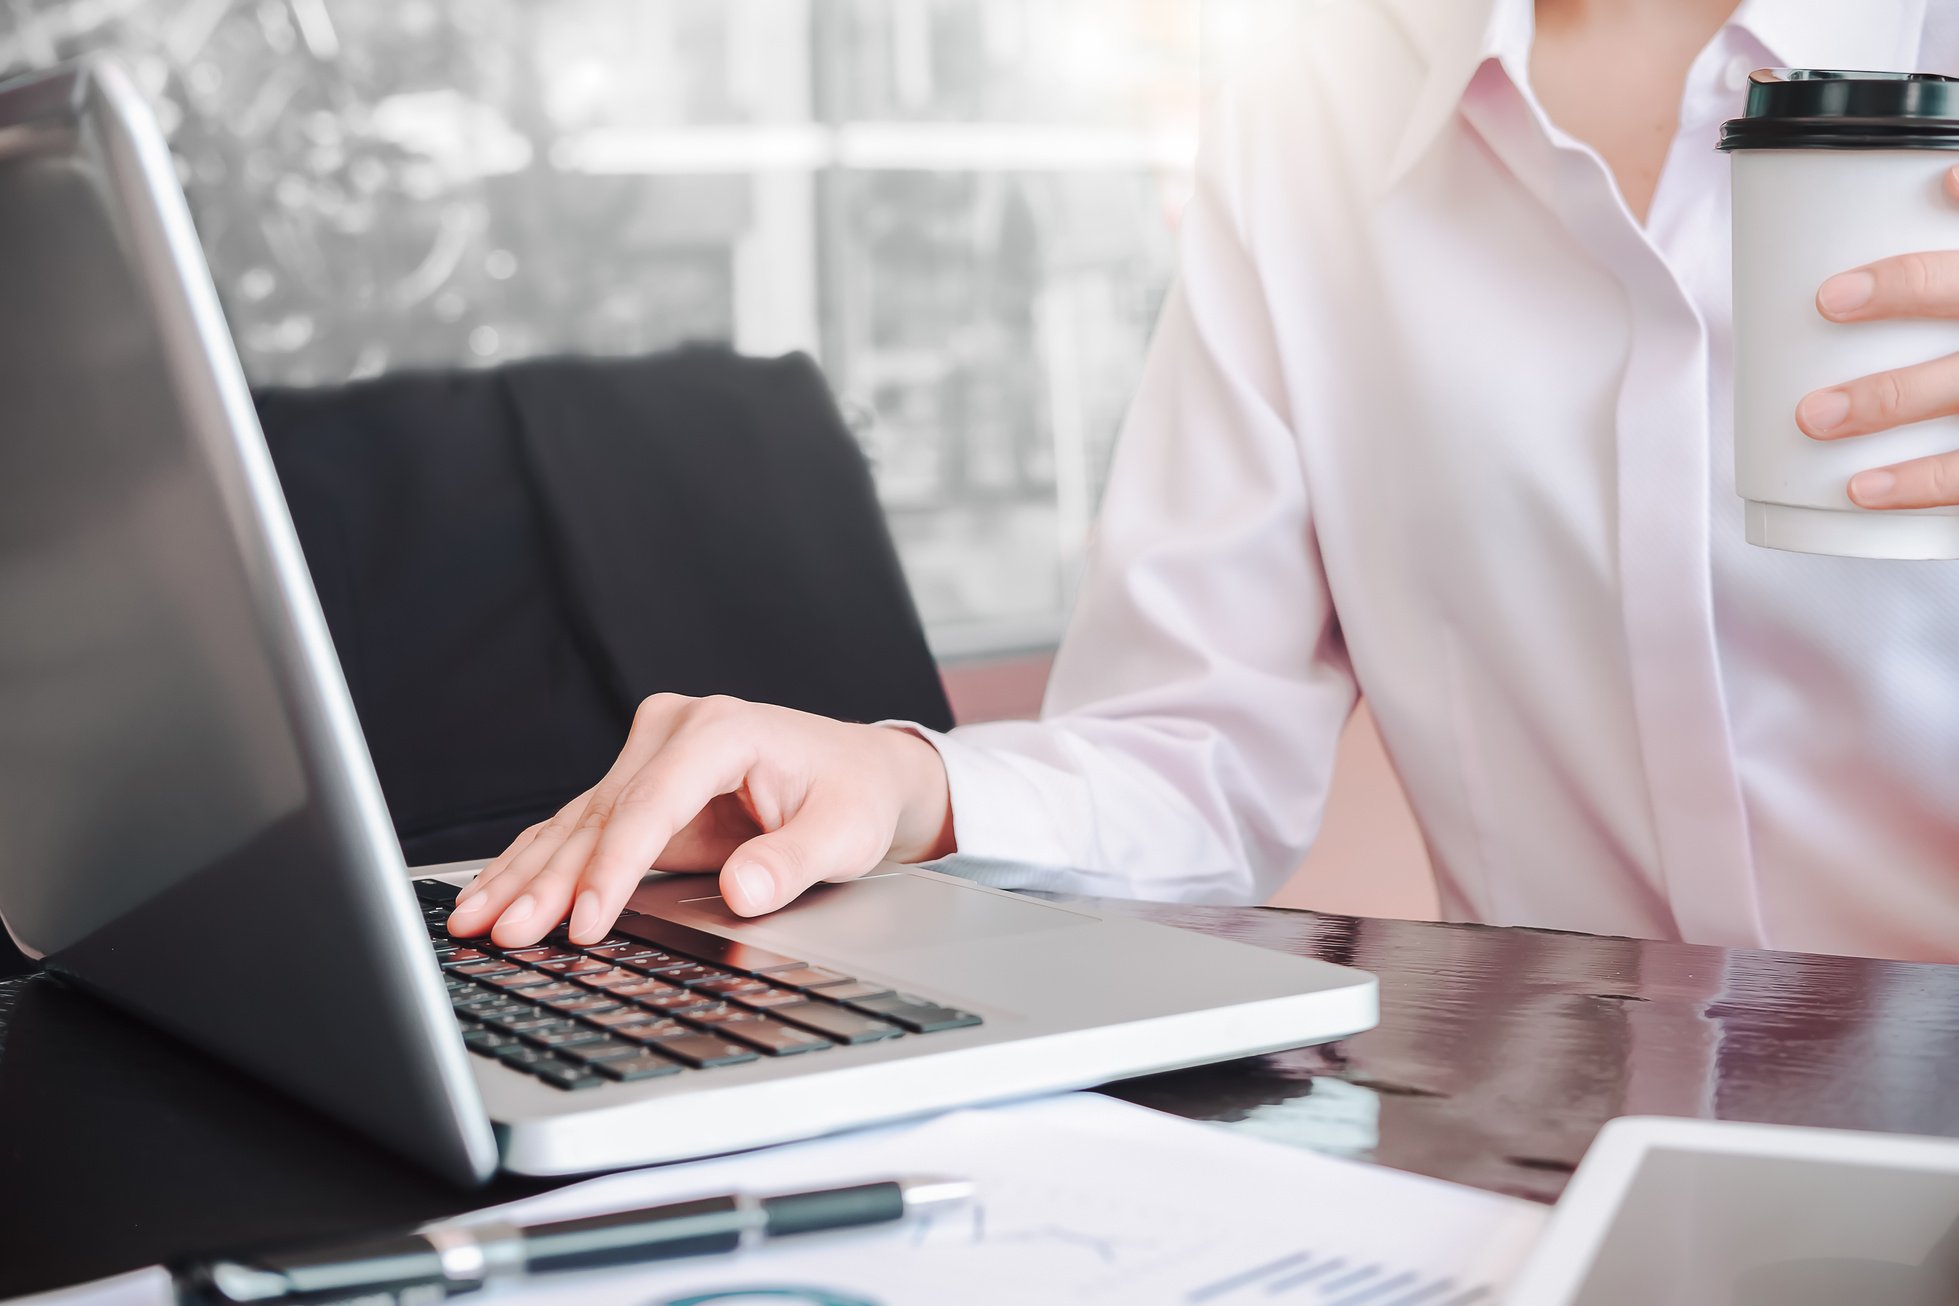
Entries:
{"x":1833,"y":170}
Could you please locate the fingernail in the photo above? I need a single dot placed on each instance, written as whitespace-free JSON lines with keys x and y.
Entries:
{"x":1823,"y":410}
{"x":1872,"y":488}
{"x":1846,"y":292}
{"x":518,"y":912}
{"x":585,"y":914}
{"x":754,"y":886}
{"x":469,"y":891}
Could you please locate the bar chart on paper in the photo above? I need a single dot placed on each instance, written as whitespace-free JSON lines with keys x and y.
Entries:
{"x":1304,"y":1277}
{"x":1085,"y":1265}
{"x":1082,"y":1199}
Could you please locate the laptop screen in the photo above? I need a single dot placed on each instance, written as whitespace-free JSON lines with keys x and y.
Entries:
{"x":188,"y":807}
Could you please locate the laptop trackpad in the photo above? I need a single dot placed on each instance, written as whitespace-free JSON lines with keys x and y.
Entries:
{"x":888,"y":915}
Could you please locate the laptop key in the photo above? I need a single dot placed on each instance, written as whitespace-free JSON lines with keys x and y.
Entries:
{"x":639,"y":989}
{"x":693,"y":974}
{"x":732,"y":986}
{"x":523,"y":979}
{"x":623,"y":951}
{"x":486,"y":1000}
{"x":574,"y":966}
{"x":659,"y":963}
{"x":559,"y":1074}
{"x":773,"y":1037}
{"x":531,"y":956}
{"x":766,"y":998}
{"x":702,"y":1050}
{"x":851,"y":992}
{"x":561,"y":1038}
{"x":643,"y":1066}
{"x":839,"y":1023}
{"x":520,"y":1055}
{"x":523,"y":1022}
{"x":674,"y":1000}
{"x":805,"y":977}
{"x":555,"y":990}
{"x":916,"y":1014}
{"x":486,"y":1041}
{"x":491,"y":966}
{"x":617,"y":1015}
{"x":647,"y":1030}
{"x":608,"y":977}
{"x":588,"y":1054}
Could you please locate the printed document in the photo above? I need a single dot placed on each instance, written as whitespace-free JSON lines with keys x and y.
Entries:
{"x":1081,"y":1199}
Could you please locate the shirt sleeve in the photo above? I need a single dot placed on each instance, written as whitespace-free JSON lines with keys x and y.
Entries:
{"x":1187,"y":738}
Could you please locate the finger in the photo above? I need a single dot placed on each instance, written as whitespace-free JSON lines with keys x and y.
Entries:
{"x":700,"y":763}
{"x":1920,"y":483}
{"x":703,"y":844}
{"x":1882,"y":400}
{"x":547,"y":893}
{"x":825,"y":840}
{"x":494,"y":867}
{"x":503,"y":881}
{"x":521,"y":916}
{"x":1924,"y":284}
{"x":492,"y":894}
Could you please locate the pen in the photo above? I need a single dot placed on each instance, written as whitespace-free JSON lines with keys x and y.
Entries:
{"x":426,"y":1267}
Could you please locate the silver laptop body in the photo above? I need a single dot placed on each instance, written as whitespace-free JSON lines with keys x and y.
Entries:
{"x":193,"y":829}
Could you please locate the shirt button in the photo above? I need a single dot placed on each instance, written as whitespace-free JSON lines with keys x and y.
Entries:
{"x":1735,"y":75}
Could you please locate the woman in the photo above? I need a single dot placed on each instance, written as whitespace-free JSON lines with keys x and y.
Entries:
{"x":1438,"y":411}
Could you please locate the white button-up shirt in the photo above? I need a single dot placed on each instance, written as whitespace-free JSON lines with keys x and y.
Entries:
{"x":1431,"y":416}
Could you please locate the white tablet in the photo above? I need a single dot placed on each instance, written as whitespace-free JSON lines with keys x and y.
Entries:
{"x":1706,"y":1213}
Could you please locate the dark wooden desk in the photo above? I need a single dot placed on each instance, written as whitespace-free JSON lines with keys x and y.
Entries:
{"x":1500,"y":1053}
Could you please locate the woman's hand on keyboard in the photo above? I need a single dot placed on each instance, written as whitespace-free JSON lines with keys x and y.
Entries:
{"x":773,"y":799}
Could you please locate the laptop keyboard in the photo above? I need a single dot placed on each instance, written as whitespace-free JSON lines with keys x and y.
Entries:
{"x":655,"y":998}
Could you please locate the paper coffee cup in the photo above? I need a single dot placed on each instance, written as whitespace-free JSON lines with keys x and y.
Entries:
{"x":1832,"y":170}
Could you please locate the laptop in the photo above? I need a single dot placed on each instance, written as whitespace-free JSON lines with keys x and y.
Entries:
{"x":194,"y":831}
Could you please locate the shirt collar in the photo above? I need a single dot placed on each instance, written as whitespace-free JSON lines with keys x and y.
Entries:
{"x":1454,"y":38}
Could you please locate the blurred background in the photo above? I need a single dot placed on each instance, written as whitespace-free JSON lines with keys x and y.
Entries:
{"x":965,"y":210}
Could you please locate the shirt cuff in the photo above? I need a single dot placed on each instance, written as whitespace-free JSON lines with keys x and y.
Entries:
{"x":998,"y":830}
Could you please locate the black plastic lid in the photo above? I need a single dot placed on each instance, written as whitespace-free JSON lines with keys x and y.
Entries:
{"x":1822,"y":108}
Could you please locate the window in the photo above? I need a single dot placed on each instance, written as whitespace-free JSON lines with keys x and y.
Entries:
{"x":963,"y":208}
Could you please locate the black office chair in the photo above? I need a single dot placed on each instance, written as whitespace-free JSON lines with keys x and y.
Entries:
{"x":510,"y":560}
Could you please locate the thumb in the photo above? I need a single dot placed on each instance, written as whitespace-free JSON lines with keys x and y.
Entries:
{"x":821,"y":842}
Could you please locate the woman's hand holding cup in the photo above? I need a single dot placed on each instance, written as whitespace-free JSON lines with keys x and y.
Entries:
{"x":1918,"y":285}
